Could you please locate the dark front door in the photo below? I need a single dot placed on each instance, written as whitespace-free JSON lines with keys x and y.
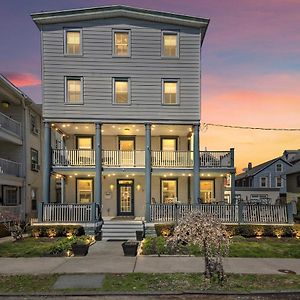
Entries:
{"x":125,"y":197}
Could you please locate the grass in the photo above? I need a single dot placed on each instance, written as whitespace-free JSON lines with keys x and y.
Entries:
{"x":28,"y":247}
{"x":140,"y":282}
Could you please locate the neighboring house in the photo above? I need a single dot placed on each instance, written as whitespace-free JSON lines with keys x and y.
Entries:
{"x":293,"y":184}
{"x":20,"y":151}
{"x":267,"y":180}
{"x":121,"y":106}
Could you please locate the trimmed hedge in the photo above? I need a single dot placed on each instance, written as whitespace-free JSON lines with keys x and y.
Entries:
{"x":56,"y":230}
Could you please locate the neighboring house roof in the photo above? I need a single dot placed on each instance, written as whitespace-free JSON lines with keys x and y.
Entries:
{"x":113,"y":11}
{"x":260,"y":168}
{"x":295,"y":169}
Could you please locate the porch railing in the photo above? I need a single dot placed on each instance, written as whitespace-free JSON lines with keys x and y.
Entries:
{"x":10,"y":125}
{"x":77,"y":157}
{"x":118,"y":158}
{"x":233,"y":214}
{"x":181,"y":159}
{"x":216,"y":159}
{"x":9,"y":167}
{"x":70,"y":213}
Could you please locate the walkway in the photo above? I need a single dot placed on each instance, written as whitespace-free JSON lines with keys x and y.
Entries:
{"x":107,"y":257}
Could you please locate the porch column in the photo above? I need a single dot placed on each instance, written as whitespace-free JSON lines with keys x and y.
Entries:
{"x":63,"y":189}
{"x":196,"y":164}
{"x":232,"y":177}
{"x":98,"y":165}
{"x":148,"y":169}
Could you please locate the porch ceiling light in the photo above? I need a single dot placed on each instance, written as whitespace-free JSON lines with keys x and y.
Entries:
{"x":70,"y":176}
{"x":76,"y":127}
{"x":190,"y":175}
{"x":183,"y":174}
{"x":171,"y":130}
{"x":165,"y":175}
{"x":138,"y":187}
{"x":114,"y":174}
{"x":63,"y":125}
{"x":5,"y":104}
{"x":89,"y":175}
{"x":75,"y":174}
{"x":137,"y":130}
{"x":68,"y":125}
{"x":87,"y":127}
{"x":133,"y":126}
{"x":127,"y":129}
{"x":113,"y":126}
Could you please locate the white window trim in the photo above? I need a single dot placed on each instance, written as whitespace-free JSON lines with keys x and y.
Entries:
{"x":260,"y":182}
{"x":177,"y":44}
{"x":65,"y":41}
{"x":113,"y":42}
{"x":114,"y":92}
{"x":280,"y":181}
{"x":281,"y":167}
{"x":163,"y":91}
{"x":81,"y":90}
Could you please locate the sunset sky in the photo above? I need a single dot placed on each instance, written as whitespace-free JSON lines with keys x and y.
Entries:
{"x":250,"y":66}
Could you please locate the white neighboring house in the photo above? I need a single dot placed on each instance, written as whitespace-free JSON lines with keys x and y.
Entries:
{"x":20,"y":151}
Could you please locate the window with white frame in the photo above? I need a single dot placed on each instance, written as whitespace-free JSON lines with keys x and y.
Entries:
{"x":278,"y":181}
{"x":170,"y":44}
{"x":279,"y":167}
{"x":170,"y":92}
{"x":121,"y":91}
{"x":73,"y":43}
{"x":84,"y":190}
{"x":168,"y":191}
{"x":121,"y":42}
{"x":263,"y":181}
{"x":74,"y":94}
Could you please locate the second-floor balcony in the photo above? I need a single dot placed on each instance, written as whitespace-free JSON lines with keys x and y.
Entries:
{"x":8,"y":167}
{"x":125,"y":159}
{"x":10,"y":125}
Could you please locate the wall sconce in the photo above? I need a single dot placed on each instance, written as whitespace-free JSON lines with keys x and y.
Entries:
{"x":138,"y":187}
{"x":5,"y":104}
{"x":111,"y":187}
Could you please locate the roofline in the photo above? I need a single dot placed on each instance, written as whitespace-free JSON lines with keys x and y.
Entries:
{"x":79,"y":14}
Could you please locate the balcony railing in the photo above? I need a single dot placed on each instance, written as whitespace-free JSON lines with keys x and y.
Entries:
{"x":10,"y":125}
{"x":160,"y":159}
{"x":9,"y":167}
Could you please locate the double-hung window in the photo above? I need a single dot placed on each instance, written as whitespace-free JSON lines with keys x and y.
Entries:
{"x":168,"y":191}
{"x":73,"y":42}
{"x":74,"y":93}
{"x":34,"y":160}
{"x":279,"y":167}
{"x":170,"y":44}
{"x":121,"y":92}
{"x":121,"y":43}
{"x":263,"y":181}
{"x":278,"y":182}
{"x":170,"y":92}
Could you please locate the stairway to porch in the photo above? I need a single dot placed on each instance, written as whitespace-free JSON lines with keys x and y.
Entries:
{"x":121,"y":229}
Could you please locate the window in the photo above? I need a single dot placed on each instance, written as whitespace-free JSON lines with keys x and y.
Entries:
{"x":33,"y":199}
{"x":279,"y":168}
{"x":33,"y":124}
{"x":121,"y":43}
{"x":10,"y":194}
{"x":170,"y":92}
{"x":73,"y":42}
{"x":170,"y":44}
{"x":207,"y":191}
{"x":34,"y":160}
{"x":168,"y":190}
{"x":278,"y":182}
{"x":84,"y":142}
{"x":84,"y":190}
{"x":169,"y":144}
{"x":121,"y":91}
{"x":263,"y":181}
{"x":74,"y":90}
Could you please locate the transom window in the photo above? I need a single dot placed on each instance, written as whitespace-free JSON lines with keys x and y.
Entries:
{"x":279,"y":168}
{"x":263,"y":181}
{"x":73,"y":42}
{"x":170,"y":92}
{"x":169,"y":190}
{"x":121,"y":43}
{"x":84,"y":190}
{"x":74,"y":90}
{"x":278,"y":182}
{"x":170,"y":44}
{"x":121,"y":91}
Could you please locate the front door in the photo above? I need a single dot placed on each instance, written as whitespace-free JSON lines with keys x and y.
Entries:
{"x":125,"y":198}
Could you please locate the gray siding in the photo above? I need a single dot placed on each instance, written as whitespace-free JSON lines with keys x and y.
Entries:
{"x":145,"y":68}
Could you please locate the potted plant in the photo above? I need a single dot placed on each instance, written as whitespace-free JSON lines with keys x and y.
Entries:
{"x":80,"y":247}
{"x":130,"y":248}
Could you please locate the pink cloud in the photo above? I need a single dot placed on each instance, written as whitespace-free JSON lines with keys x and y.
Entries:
{"x":23,"y":79}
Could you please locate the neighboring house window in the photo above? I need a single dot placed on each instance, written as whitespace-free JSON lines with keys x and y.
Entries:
{"x":279,"y":168}
{"x":121,"y":91}
{"x":34,"y":160}
{"x":74,"y":90}
{"x":170,"y":44}
{"x":298,"y":181}
{"x":278,"y":182}
{"x":263,"y":181}
{"x":84,"y":190}
{"x":170,"y":92}
{"x":168,"y":190}
{"x":207,"y":191}
{"x":33,"y":199}
{"x":73,"y":43}
{"x":10,"y":194}
{"x":34,"y":124}
{"x":121,"y":43}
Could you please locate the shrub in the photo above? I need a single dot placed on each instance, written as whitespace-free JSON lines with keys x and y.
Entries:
{"x":3,"y":231}
{"x":56,"y":230}
{"x":164,"y":229}
{"x":160,"y":245}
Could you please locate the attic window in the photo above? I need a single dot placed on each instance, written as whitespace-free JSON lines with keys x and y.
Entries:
{"x":279,"y":168}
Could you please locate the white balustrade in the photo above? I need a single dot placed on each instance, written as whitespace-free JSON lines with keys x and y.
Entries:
{"x":177,"y":159}
{"x":77,"y":157}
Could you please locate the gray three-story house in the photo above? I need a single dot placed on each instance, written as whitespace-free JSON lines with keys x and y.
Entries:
{"x":121,"y":109}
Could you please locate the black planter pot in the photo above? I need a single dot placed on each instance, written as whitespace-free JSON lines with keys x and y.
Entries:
{"x":80,"y":250}
{"x":139,"y":235}
{"x":130,"y":248}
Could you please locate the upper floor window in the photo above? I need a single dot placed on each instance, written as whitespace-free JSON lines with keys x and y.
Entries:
{"x":170,"y":44}
{"x":34,"y":160}
{"x":278,"y":182}
{"x":34,"y":124}
{"x":74,"y":93}
{"x":73,"y":43}
{"x":121,"y":91}
{"x":121,"y":43}
{"x":263,"y":181}
{"x":170,"y":92}
{"x":279,"y":168}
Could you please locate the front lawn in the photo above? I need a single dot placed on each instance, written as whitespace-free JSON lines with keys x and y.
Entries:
{"x":139,"y":282}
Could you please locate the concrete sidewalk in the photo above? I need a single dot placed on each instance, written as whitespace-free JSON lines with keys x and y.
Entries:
{"x":107,"y":257}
